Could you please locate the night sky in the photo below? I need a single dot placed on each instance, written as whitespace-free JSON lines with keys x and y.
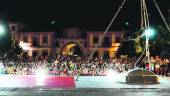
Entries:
{"x":84,"y":14}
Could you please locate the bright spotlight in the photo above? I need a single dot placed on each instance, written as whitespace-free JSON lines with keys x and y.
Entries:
{"x":2,"y":30}
{"x":115,"y":76}
{"x":111,"y":73}
{"x":41,"y":75}
{"x":41,"y":72}
{"x":25,"y":46}
{"x":149,"y":32}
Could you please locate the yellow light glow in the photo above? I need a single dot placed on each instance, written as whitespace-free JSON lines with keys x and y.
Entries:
{"x":66,"y":50}
{"x":25,"y":46}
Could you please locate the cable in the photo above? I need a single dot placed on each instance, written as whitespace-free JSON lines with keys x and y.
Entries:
{"x":144,"y":25}
{"x":139,"y":58}
{"x":142,"y":21}
{"x":107,"y":28}
{"x":161,"y":15}
{"x":147,"y":16}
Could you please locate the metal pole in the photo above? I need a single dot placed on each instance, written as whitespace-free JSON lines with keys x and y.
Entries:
{"x":147,"y":50}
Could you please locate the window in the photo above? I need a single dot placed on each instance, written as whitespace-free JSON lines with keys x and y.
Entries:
{"x":57,"y":44}
{"x":25,"y":39}
{"x":117,"y":39}
{"x":35,"y":41}
{"x":106,"y":42}
{"x":44,"y":53}
{"x":13,"y":28}
{"x":45,"y":39}
{"x":95,"y":39}
{"x":85,"y":44}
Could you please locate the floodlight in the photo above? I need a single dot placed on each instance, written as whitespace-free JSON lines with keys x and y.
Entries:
{"x":149,"y":32}
{"x":2,"y":29}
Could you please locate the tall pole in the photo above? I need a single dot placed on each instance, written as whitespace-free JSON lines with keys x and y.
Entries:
{"x":147,"y":50}
{"x":145,"y":26}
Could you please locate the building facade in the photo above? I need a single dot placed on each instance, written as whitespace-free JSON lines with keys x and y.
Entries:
{"x":33,"y":43}
{"x":107,"y":47}
{"x":72,"y":42}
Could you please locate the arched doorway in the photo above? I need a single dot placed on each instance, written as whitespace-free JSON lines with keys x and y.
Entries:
{"x":72,"y":49}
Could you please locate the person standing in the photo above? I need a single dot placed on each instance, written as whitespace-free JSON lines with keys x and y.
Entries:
{"x":167,"y":67}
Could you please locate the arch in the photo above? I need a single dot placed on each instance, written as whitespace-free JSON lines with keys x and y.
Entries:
{"x":70,"y":46}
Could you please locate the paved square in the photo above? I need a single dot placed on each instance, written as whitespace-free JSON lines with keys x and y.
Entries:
{"x":95,"y":86}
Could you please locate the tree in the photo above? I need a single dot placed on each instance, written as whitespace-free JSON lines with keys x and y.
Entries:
{"x":137,"y":45}
{"x":4,"y":39}
{"x":9,"y":49}
{"x":162,"y":42}
{"x":164,"y":36}
{"x":14,"y":51}
{"x":132,"y":45}
{"x":127,"y":46}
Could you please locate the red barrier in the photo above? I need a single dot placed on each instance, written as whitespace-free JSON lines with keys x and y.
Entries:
{"x":36,"y":81}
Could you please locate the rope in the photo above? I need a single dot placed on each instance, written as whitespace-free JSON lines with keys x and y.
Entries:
{"x":142,"y":22}
{"x":162,"y":16}
{"x":108,"y":27}
{"x":139,"y":58}
{"x":146,"y":12}
{"x":144,"y":25}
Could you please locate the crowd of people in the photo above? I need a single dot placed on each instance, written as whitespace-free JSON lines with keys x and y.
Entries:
{"x":75,"y":65}
{"x":158,"y":65}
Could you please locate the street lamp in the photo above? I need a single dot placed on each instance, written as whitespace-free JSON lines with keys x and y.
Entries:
{"x":148,"y":33}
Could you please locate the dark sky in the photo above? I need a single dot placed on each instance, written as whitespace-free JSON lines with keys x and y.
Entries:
{"x":85,"y":14}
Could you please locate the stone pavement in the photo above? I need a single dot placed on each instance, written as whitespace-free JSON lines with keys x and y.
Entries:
{"x":87,"y":92}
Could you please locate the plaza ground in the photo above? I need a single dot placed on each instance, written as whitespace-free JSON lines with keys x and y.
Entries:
{"x":87,"y":92}
{"x":113,"y":85}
